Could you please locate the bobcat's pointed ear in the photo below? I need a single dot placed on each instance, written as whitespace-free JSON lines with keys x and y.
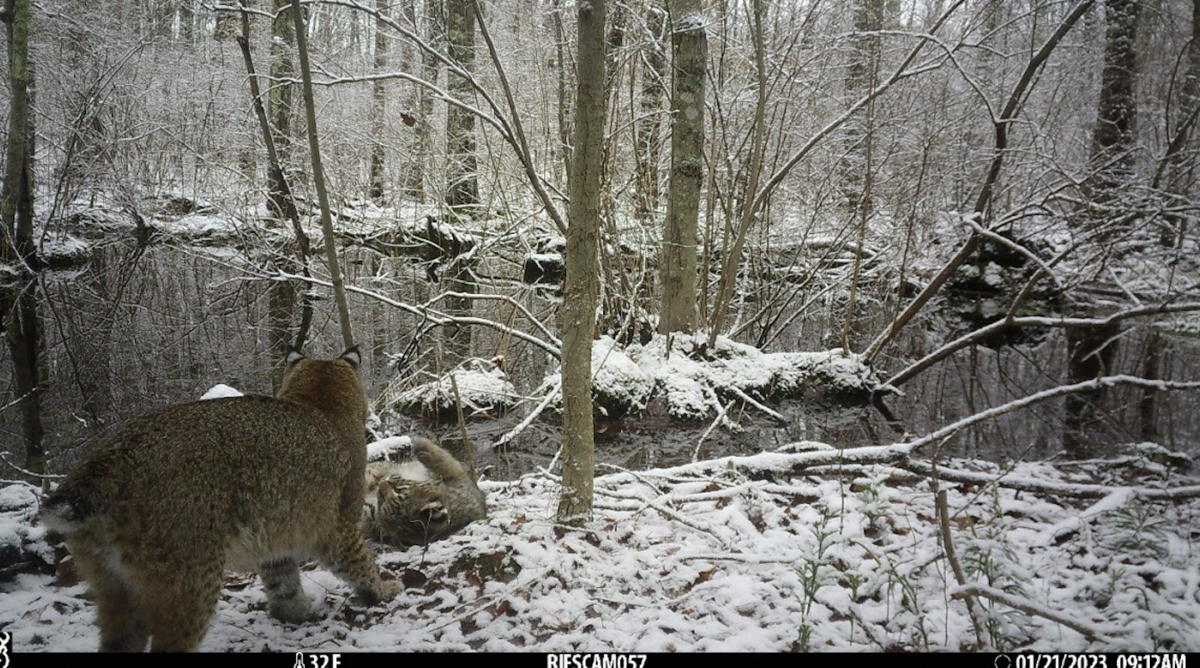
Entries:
{"x":352,"y":356}
{"x":291,"y":357}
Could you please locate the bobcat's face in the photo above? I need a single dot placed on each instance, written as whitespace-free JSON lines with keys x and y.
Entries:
{"x":411,"y":512}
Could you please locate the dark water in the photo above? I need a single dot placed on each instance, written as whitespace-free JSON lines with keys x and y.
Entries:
{"x":136,"y":329}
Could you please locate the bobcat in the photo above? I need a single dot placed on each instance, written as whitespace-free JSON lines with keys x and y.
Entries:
{"x":415,"y":504}
{"x":171,"y":497}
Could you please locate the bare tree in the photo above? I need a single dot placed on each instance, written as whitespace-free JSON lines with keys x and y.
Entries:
{"x":376,"y":176}
{"x":18,"y":300}
{"x":581,"y":290}
{"x":462,"y":191}
{"x":688,"y":71}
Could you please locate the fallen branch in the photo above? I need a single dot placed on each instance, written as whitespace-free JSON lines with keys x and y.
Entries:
{"x":748,"y":399}
{"x":1073,"y":490}
{"x":1030,"y":608}
{"x":524,"y":424}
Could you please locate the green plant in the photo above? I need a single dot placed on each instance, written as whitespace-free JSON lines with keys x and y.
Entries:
{"x":1140,"y":530}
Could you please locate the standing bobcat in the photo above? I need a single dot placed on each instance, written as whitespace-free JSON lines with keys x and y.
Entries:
{"x":171,"y":497}
{"x":415,"y":504}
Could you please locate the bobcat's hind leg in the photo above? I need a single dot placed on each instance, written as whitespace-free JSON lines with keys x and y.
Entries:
{"x":285,"y":594}
{"x":180,"y":601}
{"x":119,"y":612}
{"x":349,"y":557}
{"x":437,"y":460}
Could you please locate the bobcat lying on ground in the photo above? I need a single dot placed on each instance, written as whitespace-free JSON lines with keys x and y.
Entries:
{"x":416,"y":503}
{"x":171,"y":497}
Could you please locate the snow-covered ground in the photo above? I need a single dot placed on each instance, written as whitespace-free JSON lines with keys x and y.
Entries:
{"x":750,"y":553}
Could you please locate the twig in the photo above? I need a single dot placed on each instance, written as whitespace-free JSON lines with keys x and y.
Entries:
{"x":1030,"y":608}
{"x":462,"y":427}
{"x":748,"y":399}
{"x":545,"y":402}
{"x":721,"y":418}
{"x":45,"y":476}
{"x":948,"y":546}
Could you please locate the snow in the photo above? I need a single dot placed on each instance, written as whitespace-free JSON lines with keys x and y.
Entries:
{"x":482,"y":386}
{"x":730,"y":555}
{"x":389,"y":449}
{"x":220,"y":391}
{"x":689,"y":374}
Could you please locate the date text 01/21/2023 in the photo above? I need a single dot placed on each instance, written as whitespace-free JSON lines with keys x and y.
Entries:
{"x":1095,"y":661}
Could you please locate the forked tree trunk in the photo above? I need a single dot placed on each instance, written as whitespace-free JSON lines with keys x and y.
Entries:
{"x":581,"y":289}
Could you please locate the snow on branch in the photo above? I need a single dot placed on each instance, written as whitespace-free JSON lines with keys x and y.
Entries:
{"x":1030,"y":608}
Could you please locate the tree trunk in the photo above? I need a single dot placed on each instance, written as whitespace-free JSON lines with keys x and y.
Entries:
{"x":864,"y":51}
{"x":378,"y":107}
{"x":678,"y":268}
{"x":434,"y":30}
{"x":581,"y":288}
{"x":1113,"y":140}
{"x":1090,"y":354}
{"x":648,"y":128}
{"x":1180,"y":170}
{"x":280,"y":106}
{"x":462,"y":192}
{"x":1091,"y":350}
{"x":564,"y":105}
{"x":18,"y":302}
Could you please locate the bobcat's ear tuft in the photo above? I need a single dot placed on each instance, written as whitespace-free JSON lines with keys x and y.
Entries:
{"x":292,"y":356}
{"x":352,"y":356}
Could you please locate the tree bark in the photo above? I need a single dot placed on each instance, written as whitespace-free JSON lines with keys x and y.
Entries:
{"x":581,"y":289}
{"x":462,"y":192}
{"x":677,"y":272}
{"x":280,"y":106}
{"x":376,"y":176}
{"x":1114,"y":138}
{"x":860,"y":79}
{"x":18,"y":302}
{"x":434,"y":35}
{"x":648,"y":127}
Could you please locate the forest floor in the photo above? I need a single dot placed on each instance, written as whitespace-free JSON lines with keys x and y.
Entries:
{"x":758,"y":553}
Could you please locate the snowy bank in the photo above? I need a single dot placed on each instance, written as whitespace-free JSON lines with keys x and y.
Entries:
{"x":741,"y":554}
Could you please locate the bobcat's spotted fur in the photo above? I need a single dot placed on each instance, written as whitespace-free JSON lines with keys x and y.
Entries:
{"x":172,"y":497}
{"x":414,"y":504}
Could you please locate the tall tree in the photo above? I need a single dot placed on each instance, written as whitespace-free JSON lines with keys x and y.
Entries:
{"x":1116,"y":112}
{"x":462,"y":192}
{"x":1091,"y":350}
{"x":279,"y":103}
{"x":860,"y":75}
{"x":648,"y":142}
{"x":677,"y":272}
{"x":318,"y":176}
{"x":18,"y":301}
{"x":580,"y":293}
{"x":375,"y":180}
{"x":434,"y":26}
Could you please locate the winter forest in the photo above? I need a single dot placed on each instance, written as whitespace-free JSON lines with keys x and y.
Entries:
{"x":764,"y":325}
